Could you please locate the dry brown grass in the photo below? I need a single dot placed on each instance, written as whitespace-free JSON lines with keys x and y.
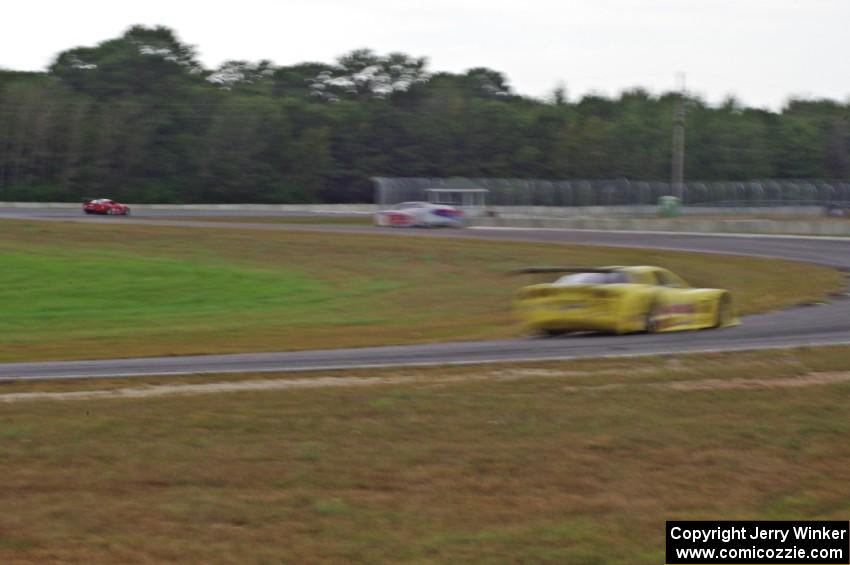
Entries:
{"x":552,"y":467}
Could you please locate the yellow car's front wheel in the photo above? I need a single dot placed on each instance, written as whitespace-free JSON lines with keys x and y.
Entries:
{"x":723,"y":316}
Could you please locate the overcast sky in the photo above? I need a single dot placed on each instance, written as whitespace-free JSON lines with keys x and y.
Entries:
{"x":761,"y":51}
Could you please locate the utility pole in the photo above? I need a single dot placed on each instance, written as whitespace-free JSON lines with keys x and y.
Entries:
{"x":678,"y":172}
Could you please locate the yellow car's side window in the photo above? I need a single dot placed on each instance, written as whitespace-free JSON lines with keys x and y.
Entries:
{"x":649,"y":277}
{"x":668,"y":279}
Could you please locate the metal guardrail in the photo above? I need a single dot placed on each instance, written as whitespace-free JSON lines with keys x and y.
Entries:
{"x":771,"y":203}
{"x":622,"y":192}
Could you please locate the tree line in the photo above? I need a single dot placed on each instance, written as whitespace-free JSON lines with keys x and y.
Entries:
{"x":138,"y":118}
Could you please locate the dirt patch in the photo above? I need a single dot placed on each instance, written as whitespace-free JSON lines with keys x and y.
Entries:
{"x":811,"y":379}
{"x":150,"y":391}
{"x":206,"y":388}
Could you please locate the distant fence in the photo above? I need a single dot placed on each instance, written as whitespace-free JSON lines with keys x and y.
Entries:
{"x":621,"y":192}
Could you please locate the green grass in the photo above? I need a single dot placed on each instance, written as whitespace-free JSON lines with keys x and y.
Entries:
{"x":151,"y":289}
{"x":96,"y":291}
{"x":578,"y":462}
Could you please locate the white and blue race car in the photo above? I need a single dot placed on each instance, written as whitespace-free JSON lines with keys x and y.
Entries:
{"x":420,"y":214}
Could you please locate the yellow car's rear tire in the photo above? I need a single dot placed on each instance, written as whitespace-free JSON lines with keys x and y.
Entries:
{"x":552,"y":333}
{"x":651,"y":319}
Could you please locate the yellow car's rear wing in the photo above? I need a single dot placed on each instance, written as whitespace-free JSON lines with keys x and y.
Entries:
{"x":546,"y":270}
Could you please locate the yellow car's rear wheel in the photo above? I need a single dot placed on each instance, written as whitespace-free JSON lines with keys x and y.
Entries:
{"x":651,"y":319}
{"x":553,"y":333}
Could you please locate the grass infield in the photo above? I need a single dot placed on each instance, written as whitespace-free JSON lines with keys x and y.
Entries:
{"x":578,"y":462}
{"x":83,"y":291}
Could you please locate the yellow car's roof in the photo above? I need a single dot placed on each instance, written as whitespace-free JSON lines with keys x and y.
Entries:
{"x":607,"y":269}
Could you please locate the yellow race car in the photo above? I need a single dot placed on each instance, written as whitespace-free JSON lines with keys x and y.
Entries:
{"x":619,"y":300}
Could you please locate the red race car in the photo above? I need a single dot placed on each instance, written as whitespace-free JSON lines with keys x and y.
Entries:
{"x":106,"y":206}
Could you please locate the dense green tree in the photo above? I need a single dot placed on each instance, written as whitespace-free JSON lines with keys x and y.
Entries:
{"x":137,"y":117}
{"x":143,"y":61}
{"x":362,"y":74}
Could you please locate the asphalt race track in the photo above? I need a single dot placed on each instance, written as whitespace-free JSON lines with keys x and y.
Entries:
{"x":825,"y":324}
{"x":76,"y":213}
